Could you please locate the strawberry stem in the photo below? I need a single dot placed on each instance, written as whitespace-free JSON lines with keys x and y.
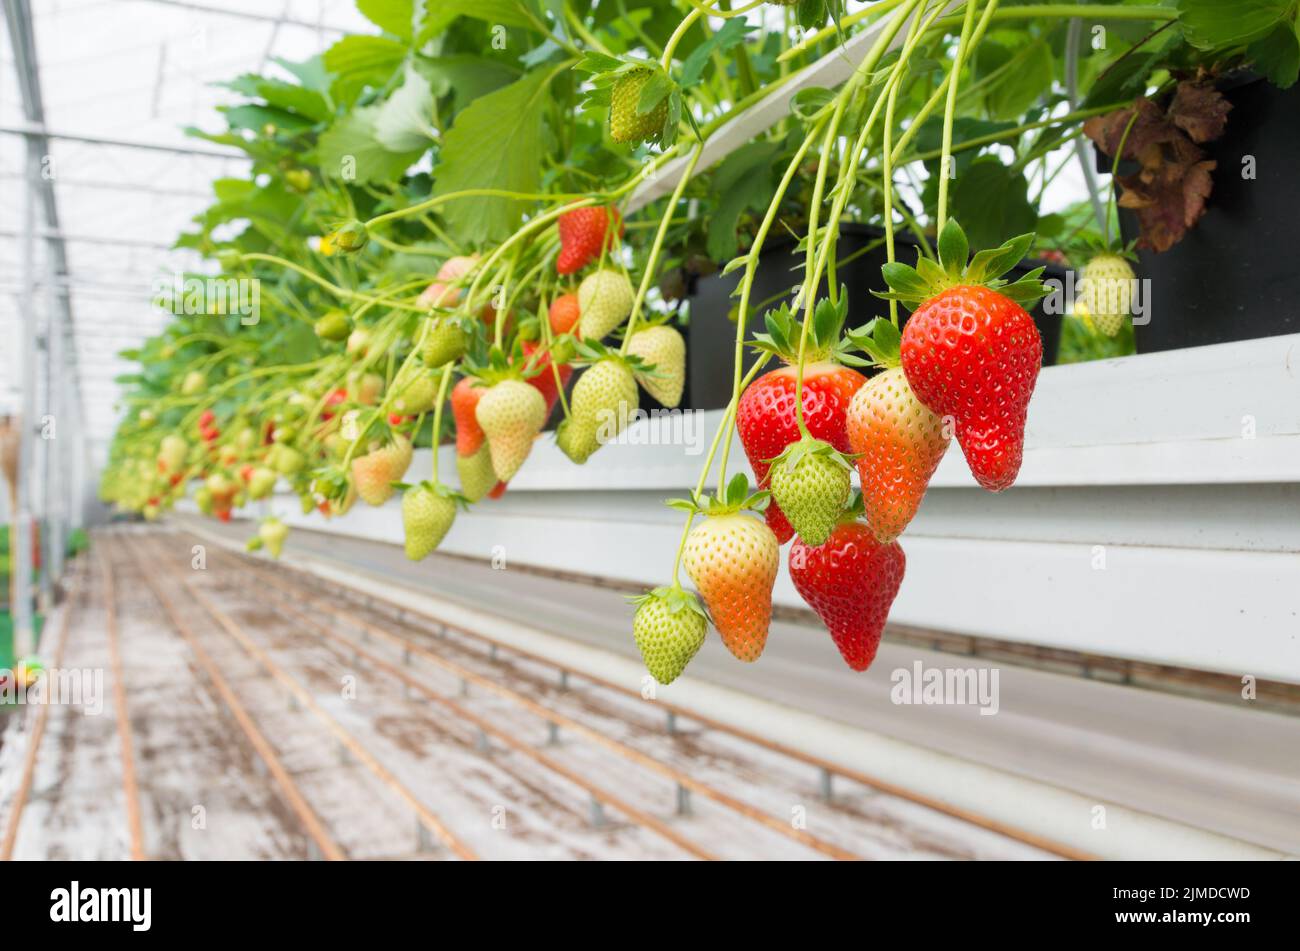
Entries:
{"x":656,"y":248}
{"x":950,"y":109}
{"x":437,"y":418}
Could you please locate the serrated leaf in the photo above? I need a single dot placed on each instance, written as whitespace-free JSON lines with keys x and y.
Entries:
{"x":464,"y":76}
{"x":441,"y":13}
{"x":991,"y":200}
{"x":391,"y":16}
{"x":351,"y":149}
{"x":741,"y":182}
{"x":404,"y":122}
{"x":1214,"y":24}
{"x":732,"y":33}
{"x":360,"y":61}
{"x":494,"y":143}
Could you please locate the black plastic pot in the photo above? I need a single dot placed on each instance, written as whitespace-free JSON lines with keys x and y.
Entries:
{"x":1234,"y":275}
{"x":711,"y":337}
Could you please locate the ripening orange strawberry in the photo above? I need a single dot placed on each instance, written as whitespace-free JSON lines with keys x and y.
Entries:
{"x":732,"y":557}
{"x":899,"y":443}
{"x":375,"y":473}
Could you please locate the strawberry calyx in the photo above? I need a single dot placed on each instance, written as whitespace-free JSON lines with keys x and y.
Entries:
{"x":657,"y":88}
{"x":674,"y":597}
{"x":437,"y":488}
{"x":806,"y":447}
{"x":912,"y":286}
{"x":736,"y":497}
{"x":880,"y":340}
{"x":824,"y":341}
{"x":593,"y":352}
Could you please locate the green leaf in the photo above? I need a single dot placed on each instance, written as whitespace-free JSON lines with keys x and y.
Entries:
{"x":310,"y":72}
{"x":360,"y":61}
{"x":733,"y":33}
{"x":806,"y":103}
{"x":594,"y":62}
{"x":1277,"y":56}
{"x":1214,"y":24}
{"x":351,"y":148}
{"x":741,"y":181}
{"x":1022,"y":78}
{"x":391,"y":16}
{"x":255,"y":117}
{"x":283,"y":95}
{"x":465,"y":76}
{"x":495,"y":143}
{"x":405,"y":122}
{"x":1122,"y":81}
{"x":991,"y":200}
{"x":504,"y":12}
{"x":953,"y":248}
{"x":653,"y":93}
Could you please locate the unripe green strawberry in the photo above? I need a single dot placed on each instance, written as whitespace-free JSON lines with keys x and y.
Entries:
{"x":286,"y":460}
{"x":203,"y":499}
{"x":477,"y":478}
{"x":733,"y":560}
{"x":273,"y":532}
{"x":669,"y":628}
{"x":193,"y":383}
{"x":416,"y":393}
{"x":1106,"y":289}
{"x":603,"y":400}
{"x":664,"y":350}
{"x":172,"y":452}
{"x":444,"y":342}
{"x":374,"y":473}
{"x":511,"y":414}
{"x":811,"y":482}
{"x":626,"y":124}
{"x":261,"y":482}
{"x":427,"y":515}
{"x":333,"y":326}
{"x":604,"y":301}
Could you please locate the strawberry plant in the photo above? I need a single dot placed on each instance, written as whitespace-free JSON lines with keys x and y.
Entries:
{"x":465,"y":207}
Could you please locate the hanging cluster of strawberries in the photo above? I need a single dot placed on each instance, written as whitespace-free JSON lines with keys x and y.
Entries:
{"x":964,"y":365}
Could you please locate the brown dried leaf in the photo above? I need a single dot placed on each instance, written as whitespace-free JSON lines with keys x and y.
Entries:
{"x":1168,"y":199}
{"x":1200,"y":110}
{"x":1169,"y":192}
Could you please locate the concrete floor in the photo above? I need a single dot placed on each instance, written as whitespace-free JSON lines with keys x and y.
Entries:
{"x":1232,"y":770}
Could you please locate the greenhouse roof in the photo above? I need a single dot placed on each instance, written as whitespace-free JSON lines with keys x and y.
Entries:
{"x":117,"y":82}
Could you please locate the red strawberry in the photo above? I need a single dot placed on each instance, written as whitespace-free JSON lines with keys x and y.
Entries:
{"x":564,"y":314}
{"x":544,"y":381}
{"x":335,"y":397}
{"x":583,"y":236}
{"x":970,"y":351}
{"x":851,"y":582}
{"x":469,"y":435}
{"x":766,"y":416}
{"x":464,"y":401}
